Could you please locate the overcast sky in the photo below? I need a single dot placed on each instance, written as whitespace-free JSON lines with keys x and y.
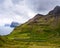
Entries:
{"x":22,"y":10}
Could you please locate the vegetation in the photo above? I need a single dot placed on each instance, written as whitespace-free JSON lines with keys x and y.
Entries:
{"x":39,"y":32}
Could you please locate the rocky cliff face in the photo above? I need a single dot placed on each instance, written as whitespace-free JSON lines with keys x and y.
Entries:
{"x":55,"y":11}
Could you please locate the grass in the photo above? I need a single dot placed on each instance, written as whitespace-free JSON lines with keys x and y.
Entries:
{"x":44,"y":34}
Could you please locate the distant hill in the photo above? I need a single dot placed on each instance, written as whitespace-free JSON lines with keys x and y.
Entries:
{"x":42,"y":31}
{"x":14,"y":24}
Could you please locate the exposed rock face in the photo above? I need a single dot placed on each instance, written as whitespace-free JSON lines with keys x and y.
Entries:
{"x":35,"y":18}
{"x":55,"y":11}
{"x":38,"y":16}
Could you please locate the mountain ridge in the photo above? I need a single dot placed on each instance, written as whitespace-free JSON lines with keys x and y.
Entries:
{"x":55,"y":11}
{"x":41,"y":30}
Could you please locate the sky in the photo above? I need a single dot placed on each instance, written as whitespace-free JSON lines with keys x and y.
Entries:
{"x":23,"y":10}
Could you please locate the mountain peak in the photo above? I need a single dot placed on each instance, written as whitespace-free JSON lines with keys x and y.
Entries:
{"x":57,"y":7}
{"x":35,"y":18}
{"x":39,"y":15}
{"x":55,"y":11}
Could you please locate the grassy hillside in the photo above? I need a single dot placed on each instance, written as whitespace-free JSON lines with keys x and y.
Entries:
{"x":42,"y":31}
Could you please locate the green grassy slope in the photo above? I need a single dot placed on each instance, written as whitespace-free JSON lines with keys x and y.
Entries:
{"x":39,"y":31}
{"x":42,"y":31}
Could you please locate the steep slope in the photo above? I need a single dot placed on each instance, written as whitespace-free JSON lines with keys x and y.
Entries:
{"x":3,"y":41}
{"x":40,"y":30}
{"x":55,"y":11}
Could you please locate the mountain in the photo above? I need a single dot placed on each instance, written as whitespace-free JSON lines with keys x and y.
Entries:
{"x":55,"y":11}
{"x":14,"y":24}
{"x":42,"y":31}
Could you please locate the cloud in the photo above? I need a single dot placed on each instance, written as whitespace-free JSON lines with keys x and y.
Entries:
{"x":16,"y":1}
{"x":41,"y":6}
{"x":22,"y":10}
{"x":17,"y":12}
{"x":1,"y":1}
